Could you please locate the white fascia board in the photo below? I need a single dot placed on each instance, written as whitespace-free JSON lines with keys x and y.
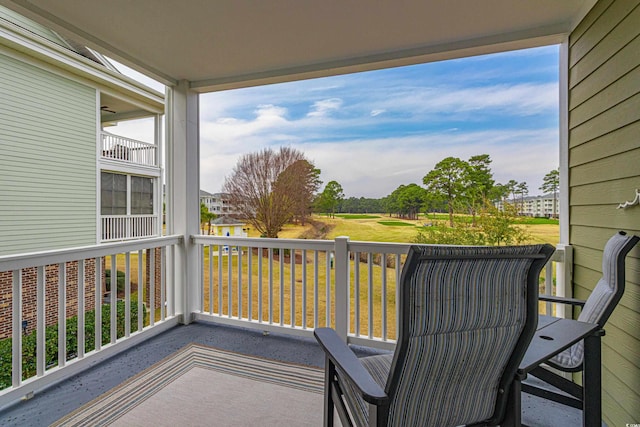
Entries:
{"x":130,"y":169}
{"x":23,"y":41}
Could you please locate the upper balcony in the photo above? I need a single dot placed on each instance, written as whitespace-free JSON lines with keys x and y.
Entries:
{"x":127,"y":150}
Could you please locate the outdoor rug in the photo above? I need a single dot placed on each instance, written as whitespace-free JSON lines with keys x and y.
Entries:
{"x":204,"y":386}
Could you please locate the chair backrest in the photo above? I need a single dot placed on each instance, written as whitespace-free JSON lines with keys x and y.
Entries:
{"x":467,"y":317}
{"x":605,"y":295}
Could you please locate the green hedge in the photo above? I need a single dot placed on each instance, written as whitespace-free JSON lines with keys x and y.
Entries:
{"x":119,"y":280}
{"x":51,"y":340}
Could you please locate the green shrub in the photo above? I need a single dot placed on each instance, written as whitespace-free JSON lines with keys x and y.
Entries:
{"x":119,"y":280}
{"x":29,"y":341}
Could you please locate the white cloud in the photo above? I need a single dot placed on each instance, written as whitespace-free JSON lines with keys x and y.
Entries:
{"x":324,"y":107}
{"x":377,"y":112}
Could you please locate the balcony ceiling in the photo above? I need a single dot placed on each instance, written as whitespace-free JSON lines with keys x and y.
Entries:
{"x":233,"y":43}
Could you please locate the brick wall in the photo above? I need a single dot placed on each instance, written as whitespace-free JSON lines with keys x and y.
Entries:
{"x":157,"y":253}
{"x":29,"y":295}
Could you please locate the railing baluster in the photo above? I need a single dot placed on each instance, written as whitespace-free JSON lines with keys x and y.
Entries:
{"x":356,"y":293}
{"x":304,"y":289}
{"x":548,"y":286}
{"x":328,"y":290}
{"x":260,"y":311}
{"x":270,"y":286}
{"x":370,"y":292}
{"x":152,"y":286}
{"x":397,"y":310}
{"x":140,"y":300}
{"x":220,"y":299}
{"x":127,"y":294}
{"x":316,"y":289}
{"x":383,"y":295}
{"x":16,"y":342}
{"x":81,"y":337}
{"x":210,"y":279}
{"x":250,"y":283}
{"x":281,"y":266}
{"x":292,"y":291}
{"x":163,"y":283}
{"x":229,"y":282}
{"x":40,"y":321}
{"x":97,"y":327}
{"x":239,"y":281}
{"x":113,"y":290}
{"x":62,"y":315}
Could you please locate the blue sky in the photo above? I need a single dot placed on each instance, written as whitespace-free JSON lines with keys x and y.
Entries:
{"x":374,"y":131}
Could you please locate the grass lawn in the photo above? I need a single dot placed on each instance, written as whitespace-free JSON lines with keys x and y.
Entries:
{"x":356,"y":216}
{"x":396,"y":223}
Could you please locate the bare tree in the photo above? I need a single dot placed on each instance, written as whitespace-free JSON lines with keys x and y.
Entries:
{"x":296,"y":186}
{"x":260,"y":194}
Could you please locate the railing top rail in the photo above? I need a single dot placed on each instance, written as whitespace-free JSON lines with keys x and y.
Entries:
{"x":126,"y":139}
{"x":55,"y":256}
{"x":259,"y":242}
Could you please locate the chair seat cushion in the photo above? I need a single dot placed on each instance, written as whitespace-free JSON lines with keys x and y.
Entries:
{"x":379,"y":367}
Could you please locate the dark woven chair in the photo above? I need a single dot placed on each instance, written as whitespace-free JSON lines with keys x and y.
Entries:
{"x":596,"y":309}
{"x":467,"y":317}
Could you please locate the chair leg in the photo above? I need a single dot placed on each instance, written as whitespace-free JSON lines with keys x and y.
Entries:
{"x":513,"y":415}
{"x":592,"y":380}
{"x":329,"y":375}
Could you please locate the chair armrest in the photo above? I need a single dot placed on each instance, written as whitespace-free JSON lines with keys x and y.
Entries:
{"x":562,"y":300}
{"x":342,"y":357}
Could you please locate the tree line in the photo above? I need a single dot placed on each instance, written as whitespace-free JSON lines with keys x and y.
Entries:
{"x":271,"y":188}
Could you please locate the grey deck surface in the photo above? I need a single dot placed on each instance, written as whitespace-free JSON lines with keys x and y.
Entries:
{"x":57,"y":401}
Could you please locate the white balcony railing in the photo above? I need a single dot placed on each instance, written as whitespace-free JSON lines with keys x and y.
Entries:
{"x":290,"y":286}
{"x":297,"y":285}
{"x":128,"y":150}
{"x":127,"y":227}
{"x":63,"y":294}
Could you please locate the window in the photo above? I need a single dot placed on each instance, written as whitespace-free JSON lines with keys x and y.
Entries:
{"x":113,"y":196}
{"x":126,"y":194}
{"x":141,"y":195}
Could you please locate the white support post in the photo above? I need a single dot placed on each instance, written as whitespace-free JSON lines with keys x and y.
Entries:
{"x":183,"y":183}
{"x":342,"y":286}
{"x":564,"y":270}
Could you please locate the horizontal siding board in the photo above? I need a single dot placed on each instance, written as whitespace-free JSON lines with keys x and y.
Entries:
{"x":619,"y":166}
{"x":617,"y":28}
{"x":612,"y":413}
{"x":588,"y":21}
{"x":616,"y":142}
{"x":597,"y":237}
{"x":616,"y":67}
{"x":623,"y":394}
{"x":625,"y":342}
{"x":595,"y":215}
{"x":607,"y":192}
{"x":609,"y":120}
{"x":621,"y":90}
{"x":48,"y":163}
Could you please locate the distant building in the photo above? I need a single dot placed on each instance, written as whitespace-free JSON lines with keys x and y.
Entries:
{"x":535,"y":206}
{"x":228,"y":226}
{"x":217,"y":203}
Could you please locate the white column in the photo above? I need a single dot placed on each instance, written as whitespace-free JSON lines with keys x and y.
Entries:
{"x":342,"y":287}
{"x":564,"y":270}
{"x":183,"y":183}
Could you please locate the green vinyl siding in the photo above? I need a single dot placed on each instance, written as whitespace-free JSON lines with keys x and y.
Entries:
{"x":47,"y":161}
{"x":604,"y":171}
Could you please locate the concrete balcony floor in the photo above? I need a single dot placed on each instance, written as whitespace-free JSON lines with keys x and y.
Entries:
{"x":57,"y":401}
